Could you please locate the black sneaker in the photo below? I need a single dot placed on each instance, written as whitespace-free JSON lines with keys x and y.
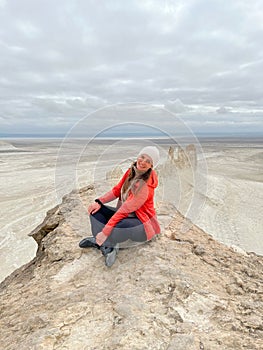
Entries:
{"x":89,"y":242}
{"x":111,"y":256}
{"x":105,"y":250}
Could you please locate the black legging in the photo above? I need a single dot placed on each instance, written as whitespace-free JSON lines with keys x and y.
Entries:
{"x":128,"y":228}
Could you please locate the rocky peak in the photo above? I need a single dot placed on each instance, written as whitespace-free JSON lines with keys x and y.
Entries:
{"x":182,"y":291}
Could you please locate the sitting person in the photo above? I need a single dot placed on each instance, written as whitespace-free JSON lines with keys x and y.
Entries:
{"x":134,"y":217}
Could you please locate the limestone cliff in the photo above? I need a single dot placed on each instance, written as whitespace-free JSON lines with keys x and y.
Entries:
{"x":182,"y":291}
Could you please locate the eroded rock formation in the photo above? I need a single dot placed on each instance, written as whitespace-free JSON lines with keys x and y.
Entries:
{"x":182,"y":291}
{"x":183,"y":158}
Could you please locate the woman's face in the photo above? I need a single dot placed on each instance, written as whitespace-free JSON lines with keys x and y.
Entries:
{"x":144,"y":162}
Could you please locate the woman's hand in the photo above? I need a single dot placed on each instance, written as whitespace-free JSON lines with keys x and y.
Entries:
{"x":101,"y":238}
{"x":93,"y":208}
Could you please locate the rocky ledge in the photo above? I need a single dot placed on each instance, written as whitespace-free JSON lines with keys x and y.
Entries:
{"x":181,"y":291}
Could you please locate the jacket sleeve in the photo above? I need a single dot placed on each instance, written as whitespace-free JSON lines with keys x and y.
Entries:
{"x":133,"y":203}
{"x":115,"y":192}
{"x":107,"y":197}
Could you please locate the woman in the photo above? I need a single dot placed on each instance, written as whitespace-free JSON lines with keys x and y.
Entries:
{"x":134,"y":217}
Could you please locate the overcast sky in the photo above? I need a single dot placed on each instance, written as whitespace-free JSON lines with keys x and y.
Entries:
{"x":200,"y":59}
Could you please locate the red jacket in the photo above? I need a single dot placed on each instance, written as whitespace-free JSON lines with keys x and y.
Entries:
{"x":142,"y":203}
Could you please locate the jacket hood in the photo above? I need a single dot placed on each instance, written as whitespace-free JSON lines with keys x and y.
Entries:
{"x":153,"y":180}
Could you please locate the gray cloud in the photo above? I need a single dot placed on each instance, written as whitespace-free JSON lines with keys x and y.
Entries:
{"x":61,"y":60}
